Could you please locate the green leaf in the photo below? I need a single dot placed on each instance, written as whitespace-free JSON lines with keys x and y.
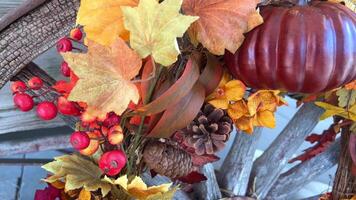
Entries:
{"x":346,"y":97}
{"x":78,"y":172}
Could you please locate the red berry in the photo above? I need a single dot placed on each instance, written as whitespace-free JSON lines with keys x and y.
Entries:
{"x":23,"y":101}
{"x":111,"y":120}
{"x":64,"y":45}
{"x":35,"y":83}
{"x":67,"y":107}
{"x":79,"y":140}
{"x":65,"y":69}
{"x":76,"y":34}
{"x":46,"y":110}
{"x":18,"y":86}
{"x":112,"y":162}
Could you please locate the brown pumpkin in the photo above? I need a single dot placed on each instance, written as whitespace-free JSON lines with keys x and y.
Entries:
{"x":307,"y":48}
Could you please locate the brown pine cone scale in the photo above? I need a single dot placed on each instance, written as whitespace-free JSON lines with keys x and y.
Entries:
{"x":209,"y":131}
{"x":167,"y":159}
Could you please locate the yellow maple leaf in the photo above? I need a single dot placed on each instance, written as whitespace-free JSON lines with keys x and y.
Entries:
{"x":231,"y":91}
{"x":222,"y":23}
{"x":103,"y":19}
{"x":78,"y":173}
{"x":139,"y":190}
{"x":84,"y":195}
{"x":104,"y":77}
{"x":154,"y":28}
{"x":331,"y":110}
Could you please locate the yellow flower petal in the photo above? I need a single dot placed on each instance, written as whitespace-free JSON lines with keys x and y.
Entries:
{"x":234,"y":90}
{"x":237,"y":110}
{"x":266,"y":119}
{"x":220,"y":103}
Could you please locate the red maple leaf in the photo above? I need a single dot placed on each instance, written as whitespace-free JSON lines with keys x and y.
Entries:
{"x":322,"y":141}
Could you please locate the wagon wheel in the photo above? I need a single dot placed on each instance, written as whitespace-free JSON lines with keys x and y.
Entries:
{"x":36,"y":25}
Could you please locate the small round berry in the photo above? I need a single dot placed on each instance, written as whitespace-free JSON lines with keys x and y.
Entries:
{"x":64,"y":45}
{"x":79,"y":140}
{"x":76,"y":34}
{"x":46,"y":110}
{"x":23,"y":101}
{"x":115,"y":135}
{"x":93,"y":145}
{"x":35,"y":83}
{"x":111,"y":119}
{"x":67,"y":107}
{"x":112,"y":162}
{"x":18,"y":86}
{"x":65,"y":69}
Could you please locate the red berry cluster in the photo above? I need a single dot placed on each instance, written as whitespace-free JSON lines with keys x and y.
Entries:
{"x":45,"y":110}
{"x":107,"y":135}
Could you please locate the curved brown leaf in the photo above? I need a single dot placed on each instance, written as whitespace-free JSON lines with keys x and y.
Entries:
{"x":181,"y":114}
{"x":175,"y":93}
{"x":352,"y":147}
{"x":146,"y":73}
{"x":212,"y":74}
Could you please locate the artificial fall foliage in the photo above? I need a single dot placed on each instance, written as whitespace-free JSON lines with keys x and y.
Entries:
{"x":103,"y":20}
{"x":78,"y":172}
{"x":151,"y":92}
{"x":154,"y":28}
{"x":221,"y":23}
{"x":105,"y":77}
{"x":138,"y":189}
{"x":257,"y":110}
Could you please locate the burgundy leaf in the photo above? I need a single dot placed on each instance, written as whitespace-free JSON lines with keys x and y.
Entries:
{"x":193,"y":177}
{"x":203,"y":159}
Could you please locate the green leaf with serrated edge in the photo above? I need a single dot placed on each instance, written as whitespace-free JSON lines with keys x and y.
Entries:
{"x":346,"y":97}
{"x":77,"y":172}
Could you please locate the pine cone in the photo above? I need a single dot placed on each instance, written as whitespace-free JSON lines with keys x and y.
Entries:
{"x":209,"y":131}
{"x":167,"y":159}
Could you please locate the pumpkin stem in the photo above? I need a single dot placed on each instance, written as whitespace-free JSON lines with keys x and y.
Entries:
{"x":302,"y":2}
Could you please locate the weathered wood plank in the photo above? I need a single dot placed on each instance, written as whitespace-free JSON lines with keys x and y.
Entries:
{"x":209,"y":189}
{"x":34,"y":33}
{"x":238,"y":163}
{"x":27,"y":145}
{"x":297,"y":177}
{"x":267,"y":168}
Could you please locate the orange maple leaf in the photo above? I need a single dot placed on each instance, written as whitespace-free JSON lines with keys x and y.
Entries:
{"x":221,"y":23}
{"x":105,"y":75}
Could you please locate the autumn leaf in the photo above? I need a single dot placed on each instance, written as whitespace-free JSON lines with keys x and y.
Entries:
{"x":78,"y":172}
{"x":154,"y":28}
{"x":104,"y":77}
{"x":346,"y":97}
{"x":139,"y":190}
{"x":222,"y":23}
{"x":103,"y":20}
{"x":331,"y":110}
